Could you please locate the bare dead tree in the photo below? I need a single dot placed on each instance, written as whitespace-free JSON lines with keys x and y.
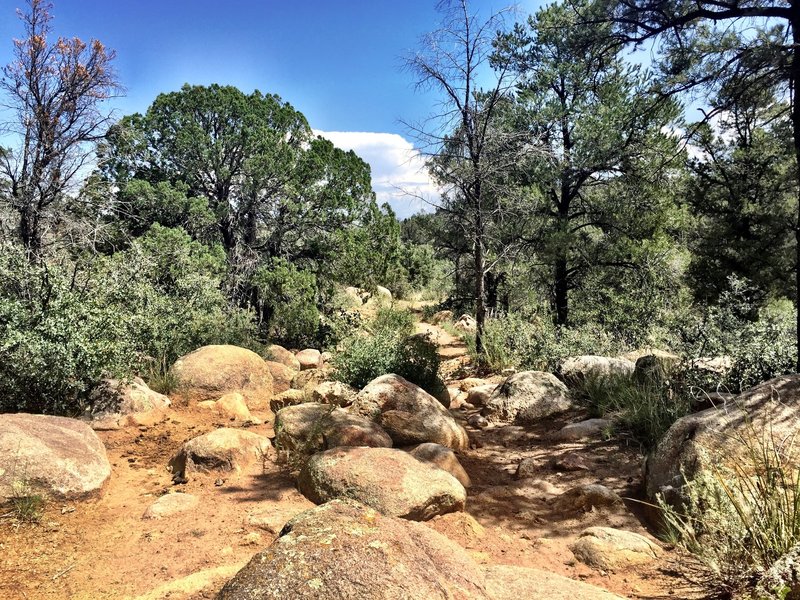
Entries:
{"x":55,"y":92}
{"x":468,"y":151}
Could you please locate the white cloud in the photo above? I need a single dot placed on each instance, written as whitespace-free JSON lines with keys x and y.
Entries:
{"x":398,"y":171}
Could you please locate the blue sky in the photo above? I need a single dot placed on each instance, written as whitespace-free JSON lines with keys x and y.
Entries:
{"x":337,"y":61}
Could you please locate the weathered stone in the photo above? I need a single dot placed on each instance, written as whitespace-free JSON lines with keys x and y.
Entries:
{"x":309,"y":379}
{"x":443,"y":316}
{"x":390,"y":481}
{"x":223,"y":449}
{"x":309,"y":359}
{"x":568,"y":462}
{"x":591,"y":428}
{"x":478,"y":421}
{"x":480,"y":395}
{"x":279,"y":354}
{"x":171,"y":504}
{"x":444,"y":458}
{"x":334,"y":392}
{"x":212,"y":371}
{"x":409,"y":414}
{"x":527,"y":397}
{"x":613,"y":549}
{"x":311,"y":427}
{"x":466,"y":323}
{"x":282,"y":376}
{"x":527,"y":468}
{"x":586,"y":497}
{"x":116,"y":403}
{"x":234,"y":407}
{"x":577,"y":369}
{"x":61,"y":457}
{"x":344,"y":549}
{"x":657,"y":366}
{"x":718,"y":438}
{"x":287,"y":398}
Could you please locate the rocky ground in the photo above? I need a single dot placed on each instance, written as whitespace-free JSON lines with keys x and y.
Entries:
{"x":119,"y":546}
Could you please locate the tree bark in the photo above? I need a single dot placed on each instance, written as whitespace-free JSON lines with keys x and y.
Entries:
{"x":561,"y":290}
{"x":795,"y":85}
{"x":480,"y":279}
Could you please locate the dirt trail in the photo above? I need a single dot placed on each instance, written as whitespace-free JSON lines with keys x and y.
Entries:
{"x":103,"y":549}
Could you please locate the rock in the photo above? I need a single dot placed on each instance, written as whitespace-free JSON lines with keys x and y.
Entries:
{"x":477,"y":421}
{"x":520,"y":583}
{"x":383,"y":293}
{"x":782,"y":579}
{"x":527,"y":397}
{"x":480,"y":394}
{"x":234,"y":407}
{"x":309,"y":359}
{"x":326,"y":357}
{"x":586,"y":497}
{"x":655,"y":367}
{"x":461,"y":527}
{"x":613,"y":549}
{"x":443,"y":316}
{"x":281,"y":355}
{"x":527,"y":468}
{"x":409,"y":414}
{"x":713,"y":439}
{"x":344,"y":549}
{"x":311,"y":427}
{"x":444,"y":458}
{"x":223,"y":449}
{"x":390,"y":481}
{"x":212,"y":371}
{"x":272,"y":519}
{"x":467,"y":384}
{"x":354,"y":295}
{"x":575,"y":370}
{"x":287,"y":398}
{"x":591,"y":428}
{"x":58,"y":456}
{"x":309,"y":379}
{"x":716,"y":365}
{"x":466,"y":323}
{"x":171,"y":504}
{"x":334,"y":392}
{"x":282,"y":376}
{"x":568,"y":463}
{"x":117,"y":404}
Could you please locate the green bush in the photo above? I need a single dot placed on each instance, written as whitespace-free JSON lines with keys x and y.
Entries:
{"x":65,"y":324}
{"x":389,"y":347}
{"x":642,"y":410}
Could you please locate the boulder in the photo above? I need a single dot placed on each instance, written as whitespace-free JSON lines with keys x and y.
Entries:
{"x":467,"y":384}
{"x":309,"y":359}
{"x":527,"y":397}
{"x":354,"y":296}
{"x":390,"y":481}
{"x":171,"y":504}
{"x":586,"y":497}
{"x":466,"y":323}
{"x":505,"y":582}
{"x":58,"y":456}
{"x":282,"y":376}
{"x":590,"y":428}
{"x":613,"y":549}
{"x":718,"y":438}
{"x":309,"y":379}
{"x":279,"y":354}
{"x":577,"y":369}
{"x":334,"y":392}
{"x":480,"y":394}
{"x":287,"y":398}
{"x":344,"y":549}
{"x":656,"y":366}
{"x":444,"y":458}
{"x":116,"y":403}
{"x":528,"y":468}
{"x":223,"y":449}
{"x":312,"y":426}
{"x":234,"y":407}
{"x":212,"y":371}
{"x":414,"y":416}
{"x":478,"y":421}
{"x":383,"y":293}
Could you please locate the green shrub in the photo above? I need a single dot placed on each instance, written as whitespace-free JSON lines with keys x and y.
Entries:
{"x":642,"y":410}
{"x":389,"y":347}
{"x":739,"y":522}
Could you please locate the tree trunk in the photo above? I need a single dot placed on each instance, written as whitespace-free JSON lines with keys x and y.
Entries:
{"x":560,"y":289}
{"x":480,"y":267}
{"x":795,"y":85}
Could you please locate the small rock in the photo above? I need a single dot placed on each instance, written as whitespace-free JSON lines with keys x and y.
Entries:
{"x":478,"y":421}
{"x":586,"y":497}
{"x":568,"y":463}
{"x":309,"y":359}
{"x":171,"y":504}
{"x":527,"y":468}
{"x":612,"y":549}
{"x":591,"y":428}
